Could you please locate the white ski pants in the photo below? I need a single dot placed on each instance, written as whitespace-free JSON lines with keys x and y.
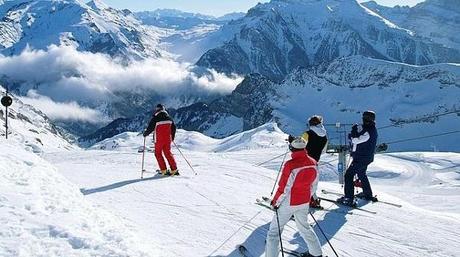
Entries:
{"x":314,"y":187}
{"x":285,"y":212}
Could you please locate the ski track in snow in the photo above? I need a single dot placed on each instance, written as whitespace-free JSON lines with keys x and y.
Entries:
{"x":210,"y":214}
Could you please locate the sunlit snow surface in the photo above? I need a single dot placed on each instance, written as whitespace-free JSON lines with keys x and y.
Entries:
{"x":211,"y":213}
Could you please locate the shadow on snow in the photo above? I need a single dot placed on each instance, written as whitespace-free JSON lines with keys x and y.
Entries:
{"x":101,"y":189}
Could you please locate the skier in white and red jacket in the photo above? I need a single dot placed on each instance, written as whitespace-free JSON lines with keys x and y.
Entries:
{"x":164,"y":132}
{"x":292,"y":198}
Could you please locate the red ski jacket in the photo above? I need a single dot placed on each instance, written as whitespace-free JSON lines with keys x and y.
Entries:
{"x":297,"y":176}
{"x":164,"y":127}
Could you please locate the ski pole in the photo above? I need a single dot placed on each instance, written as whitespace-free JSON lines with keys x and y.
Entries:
{"x":143,"y":156}
{"x":274,"y":158}
{"x":322,"y":232}
{"x":279,"y":231}
{"x":183,"y":156}
{"x":279,"y":172}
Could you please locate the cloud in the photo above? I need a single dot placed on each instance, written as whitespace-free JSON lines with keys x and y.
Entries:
{"x":69,"y":111}
{"x":64,"y":74}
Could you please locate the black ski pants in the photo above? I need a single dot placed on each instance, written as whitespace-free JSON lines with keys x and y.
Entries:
{"x":357,"y":168}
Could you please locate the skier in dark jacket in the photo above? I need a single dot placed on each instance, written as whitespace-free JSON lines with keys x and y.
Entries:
{"x":363,"y":150}
{"x":316,"y":136}
{"x":164,"y":132}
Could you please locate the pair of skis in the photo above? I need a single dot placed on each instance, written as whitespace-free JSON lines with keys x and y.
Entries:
{"x":245,"y":252}
{"x":265,"y":202}
{"x":340,"y":194}
{"x":158,"y":173}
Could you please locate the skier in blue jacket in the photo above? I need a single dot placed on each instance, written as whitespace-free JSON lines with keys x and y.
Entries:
{"x":363,"y":142}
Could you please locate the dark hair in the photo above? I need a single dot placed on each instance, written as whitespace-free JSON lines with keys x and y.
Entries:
{"x":160,"y":106}
{"x":315,"y":120}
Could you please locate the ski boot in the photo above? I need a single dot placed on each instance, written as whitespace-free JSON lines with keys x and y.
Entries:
{"x":163,"y":172}
{"x":174,"y":173}
{"x":347,"y":201}
{"x":366,"y":197}
{"x":315,"y":203}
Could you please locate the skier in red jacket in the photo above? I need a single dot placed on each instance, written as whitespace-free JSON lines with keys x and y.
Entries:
{"x":292,"y":198}
{"x":164,"y":132}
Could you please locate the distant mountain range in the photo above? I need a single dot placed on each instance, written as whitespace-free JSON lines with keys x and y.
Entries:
{"x":92,"y":27}
{"x":438,"y":20}
{"x":179,"y":20}
{"x":408,"y":97}
{"x":275,"y":38}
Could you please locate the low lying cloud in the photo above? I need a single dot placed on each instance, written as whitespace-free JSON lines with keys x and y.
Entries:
{"x":68,"y":77}
{"x":70,"y":111}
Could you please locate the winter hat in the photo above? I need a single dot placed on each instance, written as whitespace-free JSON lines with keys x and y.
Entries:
{"x":315,"y":120}
{"x":368,"y":117}
{"x":160,"y":107}
{"x":297,"y":144}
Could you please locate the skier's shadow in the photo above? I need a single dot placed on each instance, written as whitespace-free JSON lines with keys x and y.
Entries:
{"x":331,"y":223}
{"x":101,"y":189}
{"x":252,"y":243}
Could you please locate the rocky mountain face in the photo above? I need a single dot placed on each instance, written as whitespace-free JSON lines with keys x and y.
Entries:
{"x":437,"y":20}
{"x":278,"y":37}
{"x":339,"y":91}
{"x":92,"y":27}
{"x":33,"y":129}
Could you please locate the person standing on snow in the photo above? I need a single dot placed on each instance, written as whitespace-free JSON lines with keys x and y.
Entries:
{"x":363,"y":150}
{"x":292,"y":198}
{"x":164,"y":132}
{"x":316,"y":138}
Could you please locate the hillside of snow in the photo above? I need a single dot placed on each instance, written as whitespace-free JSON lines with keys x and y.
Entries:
{"x":267,"y":136}
{"x":43,"y":214}
{"x":210,"y":214}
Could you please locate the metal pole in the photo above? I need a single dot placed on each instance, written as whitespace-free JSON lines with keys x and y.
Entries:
{"x":279,"y":231}
{"x":143,"y":156}
{"x":279,"y":172}
{"x":322,"y":232}
{"x":183,"y":156}
{"x":6,"y":122}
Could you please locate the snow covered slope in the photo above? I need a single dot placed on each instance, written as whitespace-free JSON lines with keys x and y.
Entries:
{"x":266,"y":136}
{"x":92,"y":27}
{"x":31,"y":128}
{"x":435,"y":19}
{"x":277,"y":37}
{"x":43,"y":214}
{"x":212,"y":213}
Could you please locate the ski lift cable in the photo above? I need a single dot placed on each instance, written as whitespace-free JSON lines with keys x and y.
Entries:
{"x":423,"y":137}
{"x":398,"y":124}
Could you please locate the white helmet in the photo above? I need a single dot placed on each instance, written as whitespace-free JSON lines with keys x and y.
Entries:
{"x":298,"y":144}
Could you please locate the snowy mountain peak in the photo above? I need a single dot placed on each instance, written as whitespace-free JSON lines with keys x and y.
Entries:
{"x":97,"y":5}
{"x":277,"y":37}
{"x":92,"y":27}
{"x":436,"y":20}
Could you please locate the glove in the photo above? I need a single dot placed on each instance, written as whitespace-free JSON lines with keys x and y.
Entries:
{"x":354,"y":128}
{"x":291,"y":138}
{"x":273,"y":204}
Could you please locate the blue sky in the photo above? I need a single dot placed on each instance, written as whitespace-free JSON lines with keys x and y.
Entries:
{"x":213,"y":7}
